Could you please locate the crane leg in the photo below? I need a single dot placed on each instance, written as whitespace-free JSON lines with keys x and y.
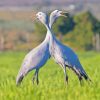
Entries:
{"x":37,"y":80}
{"x":33,"y":79}
{"x":35,"y":76}
{"x":80,"y":79}
{"x":66,"y":76}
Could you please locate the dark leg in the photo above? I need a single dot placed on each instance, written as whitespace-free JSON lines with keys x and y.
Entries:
{"x":33,"y":79}
{"x":78,"y":74}
{"x":67,"y":79}
{"x":37,"y":80}
{"x":66,"y":76}
{"x":80,"y":79}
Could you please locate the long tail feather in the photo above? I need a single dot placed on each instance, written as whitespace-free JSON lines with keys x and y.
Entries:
{"x":19,"y":79}
{"x":86,"y":77}
{"x":80,"y":74}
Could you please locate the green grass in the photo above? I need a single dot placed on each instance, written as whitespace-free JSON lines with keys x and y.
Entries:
{"x":16,"y":24}
{"x":51,"y":77}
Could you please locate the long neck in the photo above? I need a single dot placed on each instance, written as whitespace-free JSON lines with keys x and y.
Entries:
{"x":49,"y":33}
{"x":47,"y":27}
{"x":49,"y":36}
{"x":51,"y":22}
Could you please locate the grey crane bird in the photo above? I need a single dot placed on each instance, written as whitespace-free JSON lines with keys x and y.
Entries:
{"x":39,"y":56}
{"x":36,"y":58}
{"x":63,"y":55}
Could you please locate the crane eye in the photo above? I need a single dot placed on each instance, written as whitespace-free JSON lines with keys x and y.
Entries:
{"x":56,"y":10}
{"x":39,"y":13}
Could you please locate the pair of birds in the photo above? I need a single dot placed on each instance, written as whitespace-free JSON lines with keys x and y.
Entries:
{"x":50,"y":47}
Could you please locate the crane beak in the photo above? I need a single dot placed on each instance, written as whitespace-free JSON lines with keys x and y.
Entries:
{"x":64,"y":14}
{"x":33,"y":16}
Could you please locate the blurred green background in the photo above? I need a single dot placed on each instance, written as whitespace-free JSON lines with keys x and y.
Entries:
{"x":81,"y":30}
{"x":19,"y":34}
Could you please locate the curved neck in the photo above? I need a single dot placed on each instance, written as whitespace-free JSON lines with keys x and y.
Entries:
{"x":49,"y":33}
{"x":52,"y":20}
{"x":50,"y":24}
{"x":48,"y":28}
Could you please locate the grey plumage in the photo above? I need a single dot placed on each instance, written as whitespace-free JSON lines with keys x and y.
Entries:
{"x":63,"y":55}
{"x":50,"y":47}
{"x":35,"y":59}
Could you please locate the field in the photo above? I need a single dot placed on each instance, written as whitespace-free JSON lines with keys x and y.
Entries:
{"x":52,"y":85}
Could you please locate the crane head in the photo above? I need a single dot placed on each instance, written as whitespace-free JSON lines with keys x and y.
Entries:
{"x":55,"y":14}
{"x":58,"y":13}
{"x":42,"y":17}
